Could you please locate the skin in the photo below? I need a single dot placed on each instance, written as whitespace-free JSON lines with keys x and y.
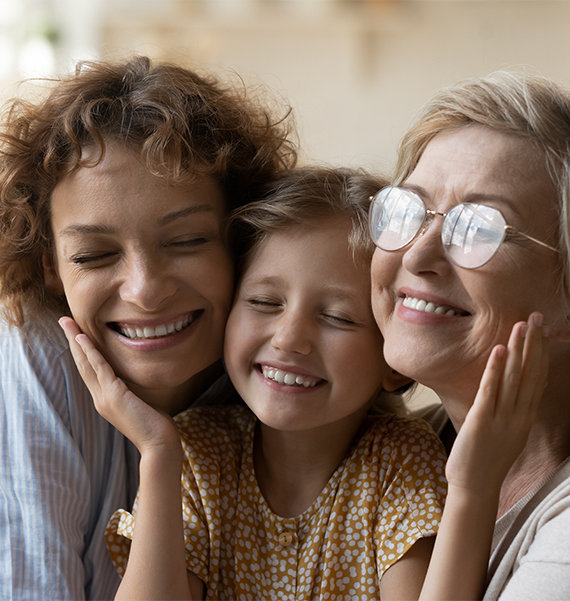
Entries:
{"x":516,"y":431}
{"x":314,"y":323}
{"x":449,"y":353}
{"x":133,"y":252}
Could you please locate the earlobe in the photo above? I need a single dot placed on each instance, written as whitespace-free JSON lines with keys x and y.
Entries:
{"x":51,"y":277}
{"x":394,"y":380}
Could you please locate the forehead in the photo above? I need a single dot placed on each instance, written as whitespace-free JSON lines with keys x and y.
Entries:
{"x":318,"y":246}
{"x":476,"y":161}
{"x":120,"y":188}
{"x":482,"y":154}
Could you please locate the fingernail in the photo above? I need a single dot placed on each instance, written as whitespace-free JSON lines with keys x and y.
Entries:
{"x":537,"y":319}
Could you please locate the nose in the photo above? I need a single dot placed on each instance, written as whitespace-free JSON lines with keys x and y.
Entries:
{"x":426,"y":253}
{"x":145,"y":283}
{"x":292,"y":333}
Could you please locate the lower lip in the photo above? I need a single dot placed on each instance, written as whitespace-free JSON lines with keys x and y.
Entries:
{"x":159,"y":344}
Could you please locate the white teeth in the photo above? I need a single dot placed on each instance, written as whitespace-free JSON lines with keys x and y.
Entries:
{"x":287,"y":378}
{"x":150,"y":332}
{"x":419,"y":304}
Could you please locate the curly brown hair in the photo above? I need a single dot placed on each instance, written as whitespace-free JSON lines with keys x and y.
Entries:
{"x":180,"y":123}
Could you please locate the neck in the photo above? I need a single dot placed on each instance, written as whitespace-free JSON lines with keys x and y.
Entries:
{"x":292,"y":468}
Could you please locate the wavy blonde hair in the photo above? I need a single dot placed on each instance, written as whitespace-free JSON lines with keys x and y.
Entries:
{"x":513,"y":102}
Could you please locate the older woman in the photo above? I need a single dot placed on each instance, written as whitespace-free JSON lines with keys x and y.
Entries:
{"x":113,"y":194}
{"x":473,"y":237}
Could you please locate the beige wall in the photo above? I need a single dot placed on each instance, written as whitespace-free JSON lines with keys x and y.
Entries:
{"x":355,"y":77}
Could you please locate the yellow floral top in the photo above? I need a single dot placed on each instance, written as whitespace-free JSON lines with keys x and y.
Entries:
{"x":386,"y":494}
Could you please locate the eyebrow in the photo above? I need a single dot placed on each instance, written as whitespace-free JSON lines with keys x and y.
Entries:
{"x":88,"y":228}
{"x":471,"y":197}
{"x":335,"y":293}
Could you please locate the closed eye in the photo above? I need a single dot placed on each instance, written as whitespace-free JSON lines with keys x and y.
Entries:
{"x":188,"y":242}
{"x":263,"y":304}
{"x":91,"y":258}
{"x":339,"y":319}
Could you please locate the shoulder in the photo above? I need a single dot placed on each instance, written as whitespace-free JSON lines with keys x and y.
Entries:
{"x":215,"y":430}
{"x":532,"y":555}
{"x":37,"y":336}
{"x":37,"y":366}
{"x":403,"y":452}
{"x":402,"y":436}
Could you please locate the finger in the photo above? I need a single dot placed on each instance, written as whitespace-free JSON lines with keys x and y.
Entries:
{"x":106,"y":377}
{"x":510,"y":382}
{"x":71,"y":330}
{"x":535,"y":364}
{"x":488,"y":393}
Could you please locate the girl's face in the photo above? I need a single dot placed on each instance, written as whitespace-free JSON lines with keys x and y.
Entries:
{"x":301,"y":345}
{"x":145,"y":272}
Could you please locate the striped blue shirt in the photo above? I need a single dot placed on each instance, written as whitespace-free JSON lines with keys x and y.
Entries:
{"x":64,"y":470}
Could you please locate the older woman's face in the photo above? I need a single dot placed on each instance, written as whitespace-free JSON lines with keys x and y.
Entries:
{"x":481,"y":165}
{"x":144,"y":269}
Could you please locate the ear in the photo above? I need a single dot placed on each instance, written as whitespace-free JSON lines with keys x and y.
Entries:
{"x":394,"y":380}
{"x":51,"y":276}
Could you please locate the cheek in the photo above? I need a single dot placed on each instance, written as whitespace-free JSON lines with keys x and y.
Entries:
{"x":236,"y":340}
{"x":381,"y":298}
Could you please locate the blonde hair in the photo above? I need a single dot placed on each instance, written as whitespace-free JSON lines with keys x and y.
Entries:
{"x":517,"y":103}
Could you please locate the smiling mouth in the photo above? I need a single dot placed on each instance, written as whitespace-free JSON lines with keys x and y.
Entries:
{"x":287,"y":378}
{"x":152,"y":332}
{"x":419,"y":304}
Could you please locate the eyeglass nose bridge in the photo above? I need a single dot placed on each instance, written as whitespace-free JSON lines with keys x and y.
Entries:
{"x":428,"y":218}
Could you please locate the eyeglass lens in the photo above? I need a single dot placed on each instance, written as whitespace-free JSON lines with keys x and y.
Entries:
{"x":471,"y":233}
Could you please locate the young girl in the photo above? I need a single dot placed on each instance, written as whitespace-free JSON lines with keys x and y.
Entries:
{"x":310,"y":491}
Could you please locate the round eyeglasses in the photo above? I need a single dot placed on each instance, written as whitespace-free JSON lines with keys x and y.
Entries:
{"x":471,"y":233}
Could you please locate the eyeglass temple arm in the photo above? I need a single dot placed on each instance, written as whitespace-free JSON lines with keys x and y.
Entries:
{"x":510,"y":228}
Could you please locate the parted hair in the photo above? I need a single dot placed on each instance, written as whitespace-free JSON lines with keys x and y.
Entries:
{"x":514,"y":102}
{"x":306,"y":195}
{"x":180,"y":124}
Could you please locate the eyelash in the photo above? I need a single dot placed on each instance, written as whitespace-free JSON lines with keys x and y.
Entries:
{"x":270,"y":304}
{"x":342,"y":320}
{"x":185,"y":243}
{"x":82,"y":259}
{"x":188,"y":242}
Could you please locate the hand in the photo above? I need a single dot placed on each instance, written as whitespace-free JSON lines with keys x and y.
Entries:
{"x":497,"y":426}
{"x":146,"y":427}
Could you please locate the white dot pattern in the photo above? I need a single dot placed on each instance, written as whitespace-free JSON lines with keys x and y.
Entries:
{"x":387,"y":494}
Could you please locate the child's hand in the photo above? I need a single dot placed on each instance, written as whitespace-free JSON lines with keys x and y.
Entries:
{"x":497,"y":426}
{"x":146,"y":427}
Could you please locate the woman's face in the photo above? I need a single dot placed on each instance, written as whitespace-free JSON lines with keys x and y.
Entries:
{"x":145,"y":271}
{"x":448,"y":351}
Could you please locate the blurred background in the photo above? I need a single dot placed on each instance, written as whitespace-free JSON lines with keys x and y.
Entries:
{"x":355,"y":71}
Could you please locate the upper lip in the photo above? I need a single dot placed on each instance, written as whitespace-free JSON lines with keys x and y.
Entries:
{"x":431,"y":298}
